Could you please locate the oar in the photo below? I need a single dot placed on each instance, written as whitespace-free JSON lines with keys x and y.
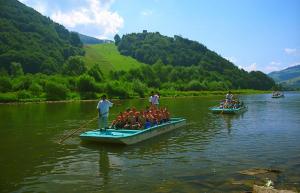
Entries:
{"x":75,"y":131}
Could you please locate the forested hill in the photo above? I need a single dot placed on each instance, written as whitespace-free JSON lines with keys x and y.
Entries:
{"x":288,"y":77}
{"x":33,"y":41}
{"x":152,"y":48}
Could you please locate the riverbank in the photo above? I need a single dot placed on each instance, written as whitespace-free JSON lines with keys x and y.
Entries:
{"x":174,"y":93}
{"x":12,"y":97}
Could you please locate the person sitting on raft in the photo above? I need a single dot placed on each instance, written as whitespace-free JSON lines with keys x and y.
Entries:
{"x":133,"y":119}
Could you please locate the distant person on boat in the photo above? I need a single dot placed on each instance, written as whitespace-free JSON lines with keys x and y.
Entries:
{"x":103,"y":112}
{"x":229,"y":96}
{"x":154,"y":99}
{"x":150,"y":98}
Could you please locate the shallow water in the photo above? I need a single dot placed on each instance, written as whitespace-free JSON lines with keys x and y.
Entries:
{"x":206,"y":155}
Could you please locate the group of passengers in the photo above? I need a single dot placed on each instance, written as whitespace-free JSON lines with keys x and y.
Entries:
{"x":133,"y":119}
{"x":277,"y":93}
{"x":230,"y":102}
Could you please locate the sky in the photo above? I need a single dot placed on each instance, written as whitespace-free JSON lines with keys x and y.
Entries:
{"x":253,"y":34}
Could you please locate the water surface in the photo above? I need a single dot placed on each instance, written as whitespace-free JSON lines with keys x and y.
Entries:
{"x":206,"y":155}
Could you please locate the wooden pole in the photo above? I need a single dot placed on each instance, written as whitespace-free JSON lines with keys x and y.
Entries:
{"x":76,"y":130}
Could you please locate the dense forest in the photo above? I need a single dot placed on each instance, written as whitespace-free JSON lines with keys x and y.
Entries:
{"x":188,"y":60}
{"x":33,"y":41}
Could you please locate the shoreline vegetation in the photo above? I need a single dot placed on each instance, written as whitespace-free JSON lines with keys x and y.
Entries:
{"x":163,"y":94}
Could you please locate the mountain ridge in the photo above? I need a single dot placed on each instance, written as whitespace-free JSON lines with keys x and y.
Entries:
{"x":288,"y":77}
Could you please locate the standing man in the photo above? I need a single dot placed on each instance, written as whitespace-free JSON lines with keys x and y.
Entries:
{"x":229,"y":96}
{"x":150,"y":98}
{"x":103,"y":110}
{"x":155,"y":100}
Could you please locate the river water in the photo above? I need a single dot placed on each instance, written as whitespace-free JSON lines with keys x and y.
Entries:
{"x":206,"y":155}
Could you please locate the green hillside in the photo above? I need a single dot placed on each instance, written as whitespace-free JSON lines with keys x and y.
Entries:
{"x":190,"y":57}
{"x":109,"y":58}
{"x":33,"y":41}
{"x":289,"y":77}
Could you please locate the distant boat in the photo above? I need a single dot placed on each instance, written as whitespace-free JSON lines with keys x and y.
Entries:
{"x":128,"y":137}
{"x":277,"y":95}
{"x":228,"y":110}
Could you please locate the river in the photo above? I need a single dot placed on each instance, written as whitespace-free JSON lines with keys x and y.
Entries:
{"x":206,"y":155}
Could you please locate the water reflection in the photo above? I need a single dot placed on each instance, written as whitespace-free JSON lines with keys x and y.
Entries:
{"x":228,"y":119}
{"x":104,"y":166}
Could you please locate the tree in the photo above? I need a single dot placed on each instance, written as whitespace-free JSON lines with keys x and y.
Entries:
{"x":117,"y":39}
{"x":75,"y":66}
{"x":86,"y":83}
{"x":75,"y":40}
{"x":36,"y":89}
{"x":16,"y":69}
{"x":56,"y":91}
{"x":5,"y":84}
{"x":95,"y":72}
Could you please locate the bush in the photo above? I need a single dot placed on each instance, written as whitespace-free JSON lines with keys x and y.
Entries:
{"x":23,"y":94}
{"x":115,"y":89}
{"x":72,"y":83}
{"x":22,"y":82}
{"x":88,"y":95}
{"x":86,"y":83}
{"x":195,"y":85}
{"x":5,"y":84}
{"x":75,"y":66}
{"x":36,"y":89}
{"x":56,"y":91}
{"x":8,"y":97}
{"x":214,"y":85}
{"x":139,"y":88}
{"x":100,"y":87}
{"x":96,"y":73}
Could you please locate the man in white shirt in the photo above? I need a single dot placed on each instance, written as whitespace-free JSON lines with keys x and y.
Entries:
{"x":154,"y":100}
{"x":229,"y":96}
{"x":150,"y":98}
{"x":103,"y":110}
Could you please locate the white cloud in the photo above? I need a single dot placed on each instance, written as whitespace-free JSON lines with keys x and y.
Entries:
{"x":146,"y":12}
{"x":95,"y":18}
{"x":273,"y":66}
{"x":275,"y":63}
{"x":293,"y":64}
{"x":269,"y":69}
{"x":251,"y":67}
{"x":290,"y":51}
{"x":231,"y":59}
{"x":40,"y":7}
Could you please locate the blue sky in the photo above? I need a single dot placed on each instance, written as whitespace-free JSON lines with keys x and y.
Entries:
{"x":253,"y":34}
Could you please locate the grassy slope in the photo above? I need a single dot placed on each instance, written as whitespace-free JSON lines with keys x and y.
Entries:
{"x":109,"y":58}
